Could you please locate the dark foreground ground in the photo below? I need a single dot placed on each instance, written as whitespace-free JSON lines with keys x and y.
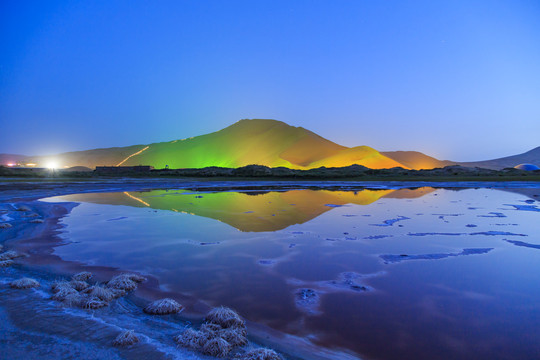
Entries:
{"x":259,"y":172}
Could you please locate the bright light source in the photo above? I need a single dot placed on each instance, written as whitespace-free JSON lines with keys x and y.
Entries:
{"x":10,"y":164}
{"x":52,"y":165}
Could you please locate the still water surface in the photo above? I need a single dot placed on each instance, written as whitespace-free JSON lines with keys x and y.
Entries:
{"x":385,"y":274}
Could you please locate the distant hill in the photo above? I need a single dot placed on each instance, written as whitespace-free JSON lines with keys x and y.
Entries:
{"x":529,"y":157}
{"x":416,"y":160}
{"x":11,"y":158}
{"x":264,"y":142}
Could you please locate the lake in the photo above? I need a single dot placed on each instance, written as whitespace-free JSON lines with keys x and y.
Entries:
{"x":419,"y":273}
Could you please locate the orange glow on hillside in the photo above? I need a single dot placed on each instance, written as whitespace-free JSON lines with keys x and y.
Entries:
{"x":134,"y":154}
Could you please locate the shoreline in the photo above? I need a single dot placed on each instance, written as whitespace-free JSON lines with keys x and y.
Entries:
{"x":16,"y":189}
{"x":38,"y":241}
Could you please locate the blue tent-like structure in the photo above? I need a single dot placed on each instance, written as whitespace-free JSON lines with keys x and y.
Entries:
{"x":527,"y":167}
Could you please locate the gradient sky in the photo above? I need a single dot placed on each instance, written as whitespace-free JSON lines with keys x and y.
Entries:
{"x":458,"y":80}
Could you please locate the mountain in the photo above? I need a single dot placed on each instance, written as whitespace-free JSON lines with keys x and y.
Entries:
{"x":416,"y":160}
{"x":11,"y":158}
{"x":264,"y":142}
{"x":529,"y":157}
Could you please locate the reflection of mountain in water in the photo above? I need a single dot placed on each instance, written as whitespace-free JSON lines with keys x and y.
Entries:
{"x":262,"y":211}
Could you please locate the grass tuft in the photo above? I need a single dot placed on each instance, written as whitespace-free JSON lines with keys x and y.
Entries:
{"x":6,"y":263}
{"x":126,"y":338}
{"x":93,"y":303}
{"x":163,"y":307}
{"x":24,"y":283}
{"x":225,"y":317}
{"x":60,"y":293}
{"x":82,"y":276}
{"x":122,"y":282}
{"x":79,"y":285}
{"x":10,"y":255}
{"x":217,"y":347}
{"x":261,"y":354}
{"x":100,"y":292}
{"x":73,"y":300}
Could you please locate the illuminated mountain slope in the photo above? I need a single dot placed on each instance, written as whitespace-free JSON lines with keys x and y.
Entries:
{"x":416,"y":160}
{"x":361,"y":155}
{"x":88,"y":158}
{"x":263,"y":142}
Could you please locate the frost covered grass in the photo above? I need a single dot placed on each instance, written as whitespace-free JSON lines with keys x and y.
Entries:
{"x":24,"y":283}
{"x":100,"y":292}
{"x":261,"y":354}
{"x":6,"y":263}
{"x":225,"y":318}
{"x":82,"y":276}
{"x":223,"y":330}
{"x":126,"y":338}
{"x":122,"y":282}
{"x":10,"y":255}
{"x":217,"y":347}
{"x":163,"y":307}
{"x":79,"y":293}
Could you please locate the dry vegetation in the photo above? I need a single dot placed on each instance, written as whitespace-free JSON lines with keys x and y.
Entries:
{"x":223,"y":334}
{"x":24,"y":283}
{"x":223,"y":331}
{"x":79,"y":293}
{"x":9,"y":255}
{"x":261,"y":354}
{"x":126,"y":338}
{"x":82,"y":276}
{"x":163,"y":307}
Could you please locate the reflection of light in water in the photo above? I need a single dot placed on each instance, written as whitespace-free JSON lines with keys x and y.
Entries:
{"x":264,"y":212}
{"x":136,"y":198}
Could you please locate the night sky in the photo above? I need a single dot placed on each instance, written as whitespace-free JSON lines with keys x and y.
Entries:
{"x":458,"y":80}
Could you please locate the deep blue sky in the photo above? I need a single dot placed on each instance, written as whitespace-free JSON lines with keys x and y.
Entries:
{"x":458,"y":80}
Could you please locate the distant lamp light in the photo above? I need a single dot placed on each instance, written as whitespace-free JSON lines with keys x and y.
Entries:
{"x":11,"y":164}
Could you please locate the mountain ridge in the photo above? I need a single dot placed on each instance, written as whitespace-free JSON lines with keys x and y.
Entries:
{"x":268,"y":142}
